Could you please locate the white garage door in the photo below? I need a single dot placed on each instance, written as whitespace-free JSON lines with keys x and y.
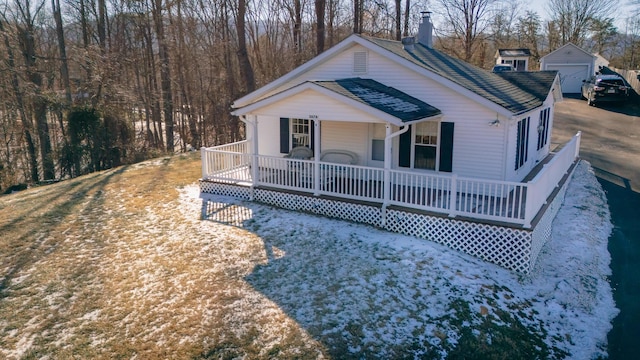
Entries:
{"x":571,"y":76}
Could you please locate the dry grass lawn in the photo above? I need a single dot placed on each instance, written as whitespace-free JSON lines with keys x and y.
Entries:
{"x":120,"y":265}
{"x":103,"y":266}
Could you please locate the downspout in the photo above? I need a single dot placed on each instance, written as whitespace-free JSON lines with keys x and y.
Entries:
{"x":505,"y":150}
{"x":387,"y":169}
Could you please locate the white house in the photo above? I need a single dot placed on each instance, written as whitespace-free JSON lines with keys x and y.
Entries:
{"x":402,"y":136}
{"x":574,"y":65}
{"x":517,"y":58}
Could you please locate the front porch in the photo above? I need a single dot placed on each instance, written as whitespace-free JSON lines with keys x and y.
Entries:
{"x":506,"y":223}
{"x":513,"y":203}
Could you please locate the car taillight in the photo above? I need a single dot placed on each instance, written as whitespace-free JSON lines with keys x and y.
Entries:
{"x":623,"y":88}
{"x":598,"y":88}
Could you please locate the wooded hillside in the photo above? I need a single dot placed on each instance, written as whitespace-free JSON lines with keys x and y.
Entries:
{"x":86,"y":85}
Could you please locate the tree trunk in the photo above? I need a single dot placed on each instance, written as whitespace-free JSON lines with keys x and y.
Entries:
{"x":165,"y":76}
{"x":64,"y":67}
{"x":27,"y":41}
{"x":297,"y":31}
{"x":398,"y":19}
{"x":320,"y":11}
{"x":407,"y":7}
{"x":356,"y":16}
{"x":246,"y":71}
{"x":27,"y":125}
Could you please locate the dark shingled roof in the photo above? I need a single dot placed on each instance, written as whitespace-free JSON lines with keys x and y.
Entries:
{"x":537,"y":83}
{"x":518,"y":94}
{"x":387,"y":99}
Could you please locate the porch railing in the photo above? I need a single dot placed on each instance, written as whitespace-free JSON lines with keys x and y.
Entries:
{"x":546,"y":181}
{"x":504,"y":201}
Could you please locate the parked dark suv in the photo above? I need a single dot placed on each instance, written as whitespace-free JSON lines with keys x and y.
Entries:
{"x":601,"y":88}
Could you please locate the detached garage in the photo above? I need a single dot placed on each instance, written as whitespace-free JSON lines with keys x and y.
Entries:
{"x":573,"y":65}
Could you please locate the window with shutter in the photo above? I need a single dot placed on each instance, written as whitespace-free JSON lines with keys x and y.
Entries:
{"x":522,"y":143}
{"x":427,"y":145}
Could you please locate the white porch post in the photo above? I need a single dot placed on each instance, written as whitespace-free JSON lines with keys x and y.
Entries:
{"x":386,"y":196}
{"x":316,"y":158}
{"x":387,"y":168}
{"x":254,"y":158}
{"x":453,"y":197}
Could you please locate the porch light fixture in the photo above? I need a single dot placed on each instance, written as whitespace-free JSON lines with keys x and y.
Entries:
{"x":495,"y":123}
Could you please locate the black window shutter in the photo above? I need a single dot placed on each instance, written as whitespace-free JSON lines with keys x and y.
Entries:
{"x":284,"y":135}
{"x":446,"y":146}
{"x":404,"y":158}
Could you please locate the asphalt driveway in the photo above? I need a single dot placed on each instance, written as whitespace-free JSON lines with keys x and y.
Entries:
{"x":611,"y":143}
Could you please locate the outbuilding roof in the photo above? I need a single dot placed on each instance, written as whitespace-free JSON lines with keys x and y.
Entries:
{"x":514,"y":52}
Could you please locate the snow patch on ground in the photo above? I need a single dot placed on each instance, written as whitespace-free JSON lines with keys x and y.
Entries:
{"x":368,"y":291}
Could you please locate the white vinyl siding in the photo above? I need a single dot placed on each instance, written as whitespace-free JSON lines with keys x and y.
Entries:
{"x":479,"y":150}
{"x":269,"y":136}
{"x":345,"y":136}
{"x":309,"y":102}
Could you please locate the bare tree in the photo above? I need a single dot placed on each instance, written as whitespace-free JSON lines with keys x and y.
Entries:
{"x":574,"y":18}
{"x":357,"y":16}
{"x":602,"y":33}
{"x":407,"y":8}
{"x":64,"y":65}
{"x":528,"y":30}
{"x":27,"y":39}
{"x":165,"y":73}
{"x":467,"y":22}
{"x":503,"y":26}
{"x":246,"y":70}
{"x":21,"y":108}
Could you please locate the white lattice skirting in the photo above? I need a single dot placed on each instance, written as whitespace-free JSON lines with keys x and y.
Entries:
{"x":512,"y":248}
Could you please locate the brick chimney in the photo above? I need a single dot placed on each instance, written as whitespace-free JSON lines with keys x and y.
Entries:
{"x":425,"y":30}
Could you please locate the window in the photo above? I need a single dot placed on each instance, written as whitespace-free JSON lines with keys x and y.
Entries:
{"x":377,"y":150}
{"x":522,"y":142}
{"x":378,"y":133}
{"x":426,"y":145}
{"x":295,"y":133}
{"x":543,"y":128}
{"x":300,"y":133}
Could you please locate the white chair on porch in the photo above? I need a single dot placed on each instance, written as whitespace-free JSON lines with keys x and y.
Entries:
{"x":301,"y":173}
{"x":336,"y":156}
{"x":300,"y":153}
